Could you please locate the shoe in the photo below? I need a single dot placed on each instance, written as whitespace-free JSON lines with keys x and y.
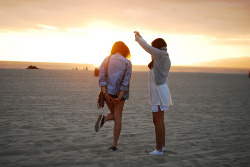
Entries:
{"x":99,"y":123}
{"x":164,"y":149}
{"x":112,"y":148}
{"x":156,"y":152}
{"x":102,"y":122}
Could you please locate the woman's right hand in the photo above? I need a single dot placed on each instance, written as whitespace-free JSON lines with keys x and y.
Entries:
{"x":137,"y":33}
{"x":108,"y":97}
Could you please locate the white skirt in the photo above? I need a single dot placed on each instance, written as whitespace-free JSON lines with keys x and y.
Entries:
{"x":159,"y":94}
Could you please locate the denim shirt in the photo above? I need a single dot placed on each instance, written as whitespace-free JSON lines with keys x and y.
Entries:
{"x":119,"y":74}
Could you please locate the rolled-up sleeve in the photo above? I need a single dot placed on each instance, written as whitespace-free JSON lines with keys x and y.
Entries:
{"x":126,"y":78}
{"x":102,"y":75}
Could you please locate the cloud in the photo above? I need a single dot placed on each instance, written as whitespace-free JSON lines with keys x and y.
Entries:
{"x":47,"y":27}
{"x":219,"y":18}
{"x":231,"y":41}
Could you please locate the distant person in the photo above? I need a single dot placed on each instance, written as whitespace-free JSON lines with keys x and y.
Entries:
{"x":115,"y":86}
{"x":159,"y":92}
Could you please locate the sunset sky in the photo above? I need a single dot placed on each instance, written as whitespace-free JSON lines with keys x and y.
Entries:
{"x":83,"y":31}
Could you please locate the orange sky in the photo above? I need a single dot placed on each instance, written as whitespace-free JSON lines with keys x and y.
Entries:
{"x":85,"y":30}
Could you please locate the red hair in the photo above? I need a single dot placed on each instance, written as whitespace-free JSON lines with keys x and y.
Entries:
{"x":120,"y":47}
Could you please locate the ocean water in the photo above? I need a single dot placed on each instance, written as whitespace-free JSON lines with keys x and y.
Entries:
{"x":49,"y":116}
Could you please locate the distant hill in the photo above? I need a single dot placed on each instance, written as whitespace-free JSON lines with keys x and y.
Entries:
{"x":241,"y":62}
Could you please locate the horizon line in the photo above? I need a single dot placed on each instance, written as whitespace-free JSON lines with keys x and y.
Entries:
{"x":196,"y":65}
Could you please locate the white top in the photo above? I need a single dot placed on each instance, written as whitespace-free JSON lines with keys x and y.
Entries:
{"x":161,"y":62}
{"x":159,"y":94}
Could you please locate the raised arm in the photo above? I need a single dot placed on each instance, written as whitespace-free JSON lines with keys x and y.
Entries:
{"x":148,"y":48}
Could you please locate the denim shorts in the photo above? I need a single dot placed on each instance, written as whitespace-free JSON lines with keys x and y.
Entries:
{"x":115,"y":96}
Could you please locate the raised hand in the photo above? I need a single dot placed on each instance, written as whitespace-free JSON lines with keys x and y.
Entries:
{"x":137,"y":33}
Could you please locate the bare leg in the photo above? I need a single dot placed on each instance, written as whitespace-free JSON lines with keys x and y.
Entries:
{"x":159,"y":129}
{"x":163,"y":130}
{"x":110,"y":116}
{"x":118,"y":108}
{"x":163,"y":126}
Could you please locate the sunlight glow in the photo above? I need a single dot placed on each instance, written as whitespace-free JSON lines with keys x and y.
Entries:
{"x":92,"y":43}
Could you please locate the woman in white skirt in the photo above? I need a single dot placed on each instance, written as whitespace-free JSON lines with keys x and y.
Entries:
{"x":160,"y":96}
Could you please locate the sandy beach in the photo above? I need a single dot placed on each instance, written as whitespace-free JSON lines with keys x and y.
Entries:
{"x":47,"y":118}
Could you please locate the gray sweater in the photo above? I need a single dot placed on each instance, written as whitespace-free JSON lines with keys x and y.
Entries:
{"x":161,"y":62}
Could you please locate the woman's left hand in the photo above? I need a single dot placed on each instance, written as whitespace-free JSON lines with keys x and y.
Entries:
{"x":116,"y":100}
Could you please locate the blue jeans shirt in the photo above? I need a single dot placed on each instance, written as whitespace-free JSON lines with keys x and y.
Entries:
{"x":119,"y":74}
